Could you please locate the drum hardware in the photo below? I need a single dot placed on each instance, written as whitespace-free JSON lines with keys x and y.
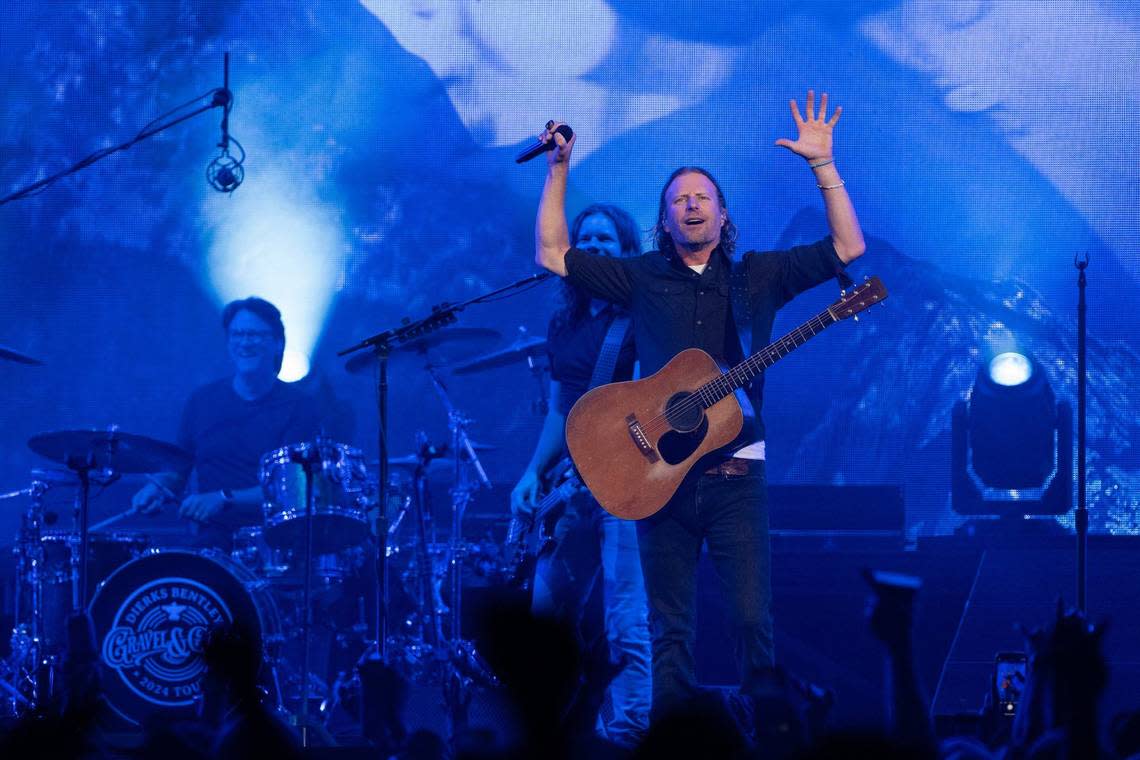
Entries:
{"x":25,"y":657}
{"x":375,"y":352}
{"x":308,"y":457}
{"x":112,"y":453}
{"x":460,"y":654}
{"x":445,"y":345}
{"x":90,"y":456}
{"x":427,"y":593}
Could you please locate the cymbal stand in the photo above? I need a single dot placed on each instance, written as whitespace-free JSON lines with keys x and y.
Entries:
{"x":538,"y":370}
{"x":425,"y":569}
{"x":442,"y":315}
{"x":381,"y":343}
{"x":82,"y":466}
{"x":462,"y":659}
{"x":27,"y":635}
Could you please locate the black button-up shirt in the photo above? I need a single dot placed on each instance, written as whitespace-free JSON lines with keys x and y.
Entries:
{"x":675,"y":308}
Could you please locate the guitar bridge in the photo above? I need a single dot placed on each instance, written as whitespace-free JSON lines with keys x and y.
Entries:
{"x":640,"y":439}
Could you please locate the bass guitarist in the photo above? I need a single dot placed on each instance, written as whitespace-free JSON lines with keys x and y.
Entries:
{"x":594,"y":554}
{"x":693,"y":293}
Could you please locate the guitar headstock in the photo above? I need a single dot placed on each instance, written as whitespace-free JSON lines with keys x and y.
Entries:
{"x":861,"y":298}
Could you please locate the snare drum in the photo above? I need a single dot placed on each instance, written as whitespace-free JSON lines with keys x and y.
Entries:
{"x":342,"y":494}
{"x":151,"y":619}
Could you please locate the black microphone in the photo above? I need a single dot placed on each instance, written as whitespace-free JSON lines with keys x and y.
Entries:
{"x":539,"y":147}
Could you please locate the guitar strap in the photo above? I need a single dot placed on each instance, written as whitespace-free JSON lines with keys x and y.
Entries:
{"x":741,"y":308}
{"x":608,"y":355}
{"x":741,"y":339}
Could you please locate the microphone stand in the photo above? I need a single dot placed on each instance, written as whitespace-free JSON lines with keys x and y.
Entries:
{"x":1081,"y":262}
{"x":381,"y":345}
{"x":308,"y":457}
{"x":220,"y":98}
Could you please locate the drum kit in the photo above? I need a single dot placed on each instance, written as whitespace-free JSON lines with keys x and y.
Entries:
{"x":330,"y":541}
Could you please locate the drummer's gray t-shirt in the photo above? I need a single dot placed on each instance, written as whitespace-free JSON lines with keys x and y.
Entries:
{"x":228,"y":435}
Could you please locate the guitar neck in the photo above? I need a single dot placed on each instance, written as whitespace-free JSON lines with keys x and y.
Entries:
{"x":554,"y":498}
{"x":740,"y":375}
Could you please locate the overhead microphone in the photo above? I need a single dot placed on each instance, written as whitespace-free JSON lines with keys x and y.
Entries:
{"x":539,"y":147}
{"x":225,"y":173}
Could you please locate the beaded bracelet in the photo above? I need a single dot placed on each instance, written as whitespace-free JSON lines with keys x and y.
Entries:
{"x":830,"y":187}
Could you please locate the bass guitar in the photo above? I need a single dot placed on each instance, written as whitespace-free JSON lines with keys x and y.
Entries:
{"x":634,"y":442}
{"x":528,"y":539}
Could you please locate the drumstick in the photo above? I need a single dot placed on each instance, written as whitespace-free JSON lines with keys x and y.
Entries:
{"x":167,"y":496}
{"x":113,"y":518}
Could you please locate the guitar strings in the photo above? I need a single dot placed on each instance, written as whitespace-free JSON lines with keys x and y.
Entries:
{"x":726,"y":379}
{"x":697,"y":397}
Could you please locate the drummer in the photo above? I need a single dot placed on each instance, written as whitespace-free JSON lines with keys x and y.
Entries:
{"x":229,"y":424}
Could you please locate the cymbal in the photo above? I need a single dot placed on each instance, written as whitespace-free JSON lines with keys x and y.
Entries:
{"x":13,"y":355}
{"x":110,"y":449}
{"x":411,"y":460}
{"x":517,"y":351}
{"x":446,"y":345}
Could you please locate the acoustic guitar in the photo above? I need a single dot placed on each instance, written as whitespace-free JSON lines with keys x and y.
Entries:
{"x":634,"y":442}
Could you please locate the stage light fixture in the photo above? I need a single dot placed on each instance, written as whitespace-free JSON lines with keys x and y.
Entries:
{"x":1012,"y":447}
{"x":1010,"y":368}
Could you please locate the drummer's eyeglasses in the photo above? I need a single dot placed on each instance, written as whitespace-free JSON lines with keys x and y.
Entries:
{"x":253,"y":336}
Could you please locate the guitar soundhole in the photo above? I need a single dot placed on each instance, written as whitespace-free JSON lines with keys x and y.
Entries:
{"x":684,"y":413}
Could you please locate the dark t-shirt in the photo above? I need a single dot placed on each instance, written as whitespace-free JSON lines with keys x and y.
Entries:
{"x":675,"y":308}
{"x":227,"y":435}
{"x":574,"y":350}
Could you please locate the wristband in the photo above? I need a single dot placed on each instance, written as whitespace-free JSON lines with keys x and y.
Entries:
{"x":821,"y":163}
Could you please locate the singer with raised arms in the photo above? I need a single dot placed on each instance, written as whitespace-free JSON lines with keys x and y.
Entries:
{"x":695,"y":292}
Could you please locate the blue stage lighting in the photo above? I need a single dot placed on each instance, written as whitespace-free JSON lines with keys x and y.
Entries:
{"x":1010,"y":368}
{"x":277,"y":240}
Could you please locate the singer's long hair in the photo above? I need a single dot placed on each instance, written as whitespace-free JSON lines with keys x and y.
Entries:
{"x":575,"y":301}
{"x":661,"y":237}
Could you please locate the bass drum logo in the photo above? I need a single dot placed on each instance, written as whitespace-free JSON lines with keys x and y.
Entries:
{"x":156,"y":637}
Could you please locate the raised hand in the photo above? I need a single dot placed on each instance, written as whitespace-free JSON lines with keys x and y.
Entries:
{"x":563,"y":147}
{"x":814,"y":139}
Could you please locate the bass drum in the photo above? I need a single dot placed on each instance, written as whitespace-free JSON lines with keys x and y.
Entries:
{"x":151,"y":619}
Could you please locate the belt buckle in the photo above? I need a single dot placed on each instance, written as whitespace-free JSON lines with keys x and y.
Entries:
{"x":733,"y":466}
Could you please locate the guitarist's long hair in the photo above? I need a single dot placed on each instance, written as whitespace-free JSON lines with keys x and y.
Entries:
{"x":575,"y":301}
{"x":661,"y":236}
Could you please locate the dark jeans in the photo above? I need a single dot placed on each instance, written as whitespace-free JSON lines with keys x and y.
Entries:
{"x":597,"y":552}
{"x":730,"y":513}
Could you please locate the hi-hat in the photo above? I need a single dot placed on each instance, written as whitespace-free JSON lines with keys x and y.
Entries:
{"x":444,"y":346}
{"x":521,"y":349}
{"x":109,"y":450}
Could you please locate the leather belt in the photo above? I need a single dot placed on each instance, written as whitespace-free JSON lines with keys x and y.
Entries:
{"x":729,"y":467}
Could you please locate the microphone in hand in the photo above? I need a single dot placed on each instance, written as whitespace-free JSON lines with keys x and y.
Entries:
{"x":538,"y":147}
